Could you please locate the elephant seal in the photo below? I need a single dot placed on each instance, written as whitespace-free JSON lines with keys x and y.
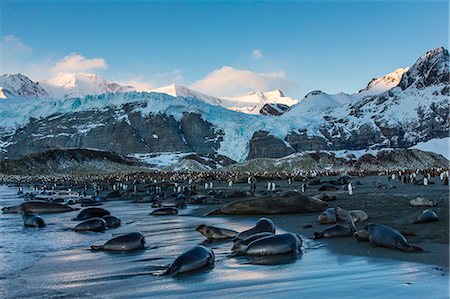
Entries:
{"x":385,"y":236}
{"x":329,"y":216}
{"x":290,"y":202}
{"x":38,"y":207}
{"x":165,"y":211}
{"x":240,"y":245}
{"x":422,"y":202}
{"x":127,"y":242}
{"x":328,"y":188}
{"x":92,"y":213}
{"x":263,"y":225}
{"x":111,"y":221}
{"x":344,"y":227}
{"x":276,"y":244}
{"x":427,"y":216}
{"x":212,"y":232}
{"x":383,"y":186}
{"x":194,"y":259}
{"x":30,"y":220}
{"x":325,"y":197}
{"x":92,"y":224}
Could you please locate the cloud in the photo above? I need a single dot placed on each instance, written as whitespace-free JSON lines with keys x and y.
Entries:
{"x":257,"y":54}
{"x":76,"y":63}
{"x":12,"y":43}
{"x":228,"y":81}
{"x":139,"y":83}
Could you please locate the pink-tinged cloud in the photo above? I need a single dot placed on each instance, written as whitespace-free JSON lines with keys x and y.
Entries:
{"x":228,"y":81}
{"x":74,"y":63}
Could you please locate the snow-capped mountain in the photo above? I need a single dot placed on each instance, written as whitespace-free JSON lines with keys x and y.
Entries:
{"x":73,"y":85}
{"x":20,"y":86}
{"x":382,"y":84}
{"x":414,"y":111}
{"x":177,"y":90}
{"x":252,"y":103}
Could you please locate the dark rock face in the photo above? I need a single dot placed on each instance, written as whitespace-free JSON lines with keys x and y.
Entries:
{"x":264,"y":145}
{"x":302,"y":142}
{"x":200,"y":134}
{"x":274,"y":109}
{"x":120,"y":130}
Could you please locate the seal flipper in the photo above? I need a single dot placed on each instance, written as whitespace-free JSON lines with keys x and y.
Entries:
{"x":97,"y":247}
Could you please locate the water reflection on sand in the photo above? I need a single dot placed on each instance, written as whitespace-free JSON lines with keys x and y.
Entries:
{"x":56,"y":262}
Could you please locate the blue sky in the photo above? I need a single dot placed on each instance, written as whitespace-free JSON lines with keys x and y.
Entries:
{"x":222,"y":48}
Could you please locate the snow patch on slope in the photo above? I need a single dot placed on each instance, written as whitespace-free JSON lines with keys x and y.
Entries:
{"x":438,"y":146}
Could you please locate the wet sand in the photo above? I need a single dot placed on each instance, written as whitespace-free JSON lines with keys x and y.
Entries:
{"x":390,"y":207}
{"x":56,"y":262}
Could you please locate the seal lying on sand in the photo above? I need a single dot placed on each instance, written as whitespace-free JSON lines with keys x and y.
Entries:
{"x":290,"y":202}
{"x":212,"y":232}
{"x":276,"y":244}
{"x":165,"y":211}
{"x":383,"y":186}
{"x":329,"y":216}
{"x":384,"y":236}
{"x":422,"y":202}
{"x":344,"y":227}
{"x":111,"y":221}
{"x":93,"y":224}
{"x":427,"y":216}
{"x":263,"y":225}
{"x":92,"y":213}
{"x":38,"y":207}
{"x":127,"y":242}
{"x":30,"y":220}
{"x":239,"y":246}
{"x":193,"y":259}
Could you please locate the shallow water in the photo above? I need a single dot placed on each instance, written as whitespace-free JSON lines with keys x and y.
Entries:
{"x":56,"y":262}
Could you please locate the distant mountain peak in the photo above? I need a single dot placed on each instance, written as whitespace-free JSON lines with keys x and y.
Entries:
{"x":18,"y":85}
{"x":384,"y":83}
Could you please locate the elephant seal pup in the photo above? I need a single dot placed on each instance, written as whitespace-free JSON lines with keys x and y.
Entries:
{"x":93,"y":225}
{"x":276,"y":244}
{"x":329,"y":216}
{"x":422,"y":202}
{"x":385,"y":236}
{"x":263,"y":225}
{"x":30,"y":220}
{"x":38,"y":207}
{"x":126,"y":242}
{"x":328,"y":188}
{"x":165,"y":211}
{"x":240,"y":245}
{"x":92,"y":213}
{"x":427,"y":216}
{"x":344,"y":227}
{"x":194,"y":259}
{"x":111,"y":221}
{"x":212,"y":232}
{"x":289,"y":202}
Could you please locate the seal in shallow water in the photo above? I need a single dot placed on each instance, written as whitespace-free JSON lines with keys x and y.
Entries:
{"x":111,"y":221}
{"x":38,"y":207}
{"x":164,"y":211}
{"x":127,"y":242}
{"x":275,"y":244}
{"x":212,"y":232}
{"x":92,"y":213}
{"x":93,"y":224}
{"x":263,"y":225}
{"x":194,"y":259}
{"x":240,"y":245}
{"x":30,"y":220}
{"x":384,"y":236}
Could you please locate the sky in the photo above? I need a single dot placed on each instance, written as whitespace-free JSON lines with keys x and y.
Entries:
{"x":221,"y":48}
